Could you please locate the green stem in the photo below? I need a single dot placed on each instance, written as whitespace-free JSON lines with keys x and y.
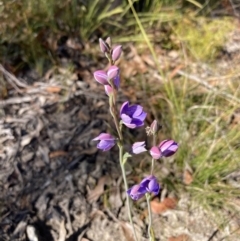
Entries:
{"x":120,"y":146}
{"x":112,"y":104}
{"x":126,"y":188}
{"x":154,"y":144}
{"x":151,"y":235}
{"x":152,"y":167}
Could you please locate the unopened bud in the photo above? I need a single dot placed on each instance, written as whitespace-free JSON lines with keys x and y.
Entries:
{"x":108,"y":90}
{"x":103,"y":46}
{"x":109,"y":42}
{"x":154,"y":127}
{"x":116,"y":53}
{"x":112,"y":72}
{"x":101,"y":77}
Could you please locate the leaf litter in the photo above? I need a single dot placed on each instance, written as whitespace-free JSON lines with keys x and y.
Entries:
{"x":53,"y":179}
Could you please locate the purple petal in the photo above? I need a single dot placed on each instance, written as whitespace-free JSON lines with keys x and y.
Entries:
{"x":138,"y":110}
{"x":138,"y":147}
{"x":136,"y":192}
{"x":108,"y":90}
{"x":124,"y":107}
{"x":168,"y":147}
{"x":131,"y":126}
{"x":143,"y":116}
{"x":113,"y":72}
{"x":116,"y":81}
{"x":137,"y":122}
{"x":105,"y":145}
{"x":104,"y":136}
{"x":126,"y":119}
{"x":155,"y":152}
{"x":153,"y":186}
{"x":116,"y":53}
{"x":101,"y":77}
{"x":131,"y":110}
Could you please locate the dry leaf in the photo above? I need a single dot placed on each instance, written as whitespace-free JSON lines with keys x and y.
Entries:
{"x":187,"y":177}
{"x":182,"y":237}
{"x":94,"y":194}
{"x":160,"y":207}
{"x":127,"y":231}
{"x":53,"y":89}
{"x":175,"y":71}
{"x":58,"y":153}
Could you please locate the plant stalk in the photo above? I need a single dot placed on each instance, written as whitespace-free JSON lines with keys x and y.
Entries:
{"x":120,"y":147}
{"x":126,"y":188}
{"x":151,"y":235}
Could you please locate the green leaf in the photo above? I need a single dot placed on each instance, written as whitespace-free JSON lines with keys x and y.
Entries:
{"x":126,"y":156}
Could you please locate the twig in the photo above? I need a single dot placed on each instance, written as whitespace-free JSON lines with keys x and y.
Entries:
{"x":13,"y":80}
{"x":16,"y":100}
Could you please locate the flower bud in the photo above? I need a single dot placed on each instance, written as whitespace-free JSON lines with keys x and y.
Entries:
{"x":112,"y":72}
{"x":101,"y":77}
{"x":116,"y":53}
{"x":109,"y":41}
{"x":108,"y":90}
{"x":168,"y":147}
{"x":154,"y":127}
{"x":136,"y":192}
{"x":103,"y":46}
{"x":106,"y":141}
{"x":155,"y":152}
{"x":138,"y":147}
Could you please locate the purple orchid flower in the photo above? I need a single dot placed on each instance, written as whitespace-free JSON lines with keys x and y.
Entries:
{"x":147,"y":185}
{"x":151,"y":184}
{"x":106,"y":141}
{"x":136,"y":192}
{"x":132,"y":116}
{"x":166,"y":148}
{"x":139,"y":147}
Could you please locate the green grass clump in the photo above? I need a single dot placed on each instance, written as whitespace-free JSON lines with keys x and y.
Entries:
{"x":203,"y":37}
{"x":199,"y":119}
{"x":30,"y":29}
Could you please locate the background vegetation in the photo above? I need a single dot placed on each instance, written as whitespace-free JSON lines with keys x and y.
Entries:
{"x":203,"y":118}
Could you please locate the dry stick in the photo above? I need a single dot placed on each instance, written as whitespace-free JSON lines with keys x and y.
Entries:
{"x":208,"y":86}
{"x":13,"y":80}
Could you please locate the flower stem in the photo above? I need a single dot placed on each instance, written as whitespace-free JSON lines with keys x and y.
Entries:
{"x":153,"y":161}
{"x":151,"y":235}
{"x":120,"y":146}
{"x":152,"y":167}
{"x":126,"y":188}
